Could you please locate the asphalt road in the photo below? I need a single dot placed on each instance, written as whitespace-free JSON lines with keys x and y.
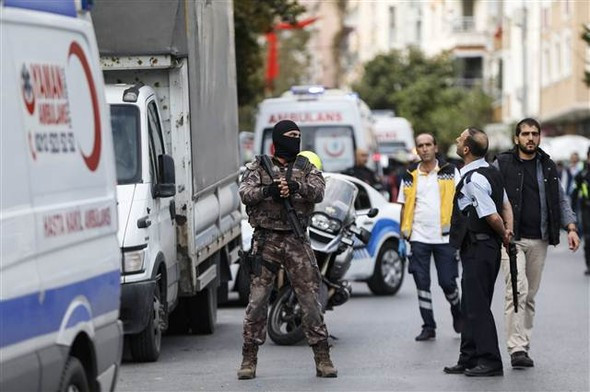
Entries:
{"x":375,"y":348}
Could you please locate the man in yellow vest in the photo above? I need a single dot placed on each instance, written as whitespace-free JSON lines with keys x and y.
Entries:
{"x":427,"y":194}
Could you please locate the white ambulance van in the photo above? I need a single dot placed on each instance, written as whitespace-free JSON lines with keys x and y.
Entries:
{"x":333,"y":124}
{"x":60,"y":262}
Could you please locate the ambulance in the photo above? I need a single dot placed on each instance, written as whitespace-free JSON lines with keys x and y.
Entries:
{"x":60,"y":263}
{"x":333,"y":124}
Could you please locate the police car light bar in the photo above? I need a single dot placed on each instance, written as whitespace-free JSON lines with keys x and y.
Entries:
{"x":307,"y":90}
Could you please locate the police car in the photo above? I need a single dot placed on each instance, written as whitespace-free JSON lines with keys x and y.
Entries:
{"x":379,"y":263}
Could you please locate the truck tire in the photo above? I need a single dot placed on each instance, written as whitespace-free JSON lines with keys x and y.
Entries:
{"x":388,"y":275}
{"x":222,"y":293}
{"x":202,"y":310}
{"x":145,"y":346}
{"x":243,"y":287}
{"x":73,"y":377}
{"x":178,"y":319}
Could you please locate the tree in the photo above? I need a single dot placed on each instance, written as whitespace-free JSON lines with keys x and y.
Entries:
{"x":586,"y":37}
{"x":422,"y":90}
{"x":252,"y":18}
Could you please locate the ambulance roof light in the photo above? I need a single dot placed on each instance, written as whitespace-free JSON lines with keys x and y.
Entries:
{"x":307,"y":90}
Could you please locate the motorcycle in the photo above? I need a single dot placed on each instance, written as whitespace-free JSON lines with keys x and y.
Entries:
{"x":332,"y":233}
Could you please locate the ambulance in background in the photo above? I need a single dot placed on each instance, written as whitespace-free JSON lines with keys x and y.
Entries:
{"x":333,"y":124}
{"x":60,"y":262}
{"x":394,"y":134}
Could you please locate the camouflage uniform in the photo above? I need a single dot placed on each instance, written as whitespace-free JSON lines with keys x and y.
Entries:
{"x":282,"y":247}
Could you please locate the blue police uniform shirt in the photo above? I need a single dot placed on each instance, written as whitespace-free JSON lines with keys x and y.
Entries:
{"x":478,"y":191}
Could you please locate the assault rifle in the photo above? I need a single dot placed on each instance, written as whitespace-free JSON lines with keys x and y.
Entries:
{"x":513,"y":274}
{"x":291,"y":213}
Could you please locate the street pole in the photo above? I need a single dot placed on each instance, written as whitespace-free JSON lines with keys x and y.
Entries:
{"x":525,"y":95}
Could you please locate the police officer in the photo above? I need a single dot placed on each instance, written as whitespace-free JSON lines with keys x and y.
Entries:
{"x":582,"y":195}
{"x":297,"y":179}
{"x":478,"y":230}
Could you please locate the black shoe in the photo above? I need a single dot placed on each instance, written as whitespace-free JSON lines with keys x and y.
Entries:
{"x":484,"y":371}
{"x":587,"y":272}
{"x":456,"y":369}
{"x":426,"y":334}
{"x":458,"y":323}
{"x":521,"y":360}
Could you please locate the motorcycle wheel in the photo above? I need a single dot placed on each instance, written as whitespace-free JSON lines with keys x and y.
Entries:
{"x":285,"y":326}
{"x":388,"y":276}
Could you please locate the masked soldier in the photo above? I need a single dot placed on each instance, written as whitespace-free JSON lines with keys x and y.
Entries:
{"x":296,"y":179}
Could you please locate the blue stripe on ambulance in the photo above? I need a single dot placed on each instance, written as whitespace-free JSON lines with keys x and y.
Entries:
{"x":26,"y":317}
{"x":60,"y":7}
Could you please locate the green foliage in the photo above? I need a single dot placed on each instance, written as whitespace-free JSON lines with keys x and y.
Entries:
{"x":586,"y":37}
{"x":252,"y":19}
{"x":421,"y":89}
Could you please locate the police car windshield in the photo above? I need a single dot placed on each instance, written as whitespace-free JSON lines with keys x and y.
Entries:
{"x":125,"y":124}
{"x":334,"y":144}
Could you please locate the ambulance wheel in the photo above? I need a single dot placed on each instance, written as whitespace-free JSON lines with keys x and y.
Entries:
{"x":388,"y":275}
{"x":145,"y":346}
{"x":73,"y":378}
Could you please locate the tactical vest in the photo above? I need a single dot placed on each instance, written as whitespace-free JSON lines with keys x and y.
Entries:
{"x":271,"y":214}
{"x":466,"y":222}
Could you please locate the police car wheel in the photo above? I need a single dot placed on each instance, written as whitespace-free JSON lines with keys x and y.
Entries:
{"x":145,"y":346}
{"x":73,"y":378}
{"x":388,"y":275}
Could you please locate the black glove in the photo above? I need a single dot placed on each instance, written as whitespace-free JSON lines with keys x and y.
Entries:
{"x":272,"y":191}
{"x":293,"y":187}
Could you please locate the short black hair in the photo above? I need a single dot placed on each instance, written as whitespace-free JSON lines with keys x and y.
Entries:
{"x":429,"y":134}
{"x":477,"y":141}
{"x":531,"y":122}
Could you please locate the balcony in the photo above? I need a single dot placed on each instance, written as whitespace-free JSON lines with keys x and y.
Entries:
{"x":465,"y":36}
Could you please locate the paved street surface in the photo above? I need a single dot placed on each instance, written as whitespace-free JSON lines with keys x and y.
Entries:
{"x":375,"y":348}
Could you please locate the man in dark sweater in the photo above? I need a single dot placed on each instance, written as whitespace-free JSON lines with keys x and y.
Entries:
{"x":540,"y":210}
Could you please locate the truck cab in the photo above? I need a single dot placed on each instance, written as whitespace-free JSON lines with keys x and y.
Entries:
{"x":145,"y":190}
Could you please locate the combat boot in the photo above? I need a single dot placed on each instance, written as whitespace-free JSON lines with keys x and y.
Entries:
{"x":249,"y":359}
{"x":323,"y":364}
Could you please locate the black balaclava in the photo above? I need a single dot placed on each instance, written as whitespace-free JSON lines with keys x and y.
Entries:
{"x":286,"y":147}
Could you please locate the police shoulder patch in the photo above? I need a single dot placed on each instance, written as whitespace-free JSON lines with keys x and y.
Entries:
{"x":253,"y":165}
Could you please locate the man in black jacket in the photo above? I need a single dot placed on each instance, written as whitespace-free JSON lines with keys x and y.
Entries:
{"x":540,"y":210}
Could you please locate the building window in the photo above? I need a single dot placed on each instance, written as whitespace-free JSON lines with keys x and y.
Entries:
{"x":392,"y":29}
{"x":567,"y":8}
{"x":557,"y":60}
{"x":545,"y":67}
{"x":567,"y":53}
{"x":546,"y":17}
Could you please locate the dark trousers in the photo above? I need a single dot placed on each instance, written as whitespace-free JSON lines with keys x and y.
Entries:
{"x":479,"y":339}
{"x":586,"y":231}
{"x":447,"y":270}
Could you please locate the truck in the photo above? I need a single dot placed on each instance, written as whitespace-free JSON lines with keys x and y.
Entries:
{"x":170,"y":72}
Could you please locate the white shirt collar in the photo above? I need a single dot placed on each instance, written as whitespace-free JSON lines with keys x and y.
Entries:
{"x":481,"y":162}
{"x":435,"y":170}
